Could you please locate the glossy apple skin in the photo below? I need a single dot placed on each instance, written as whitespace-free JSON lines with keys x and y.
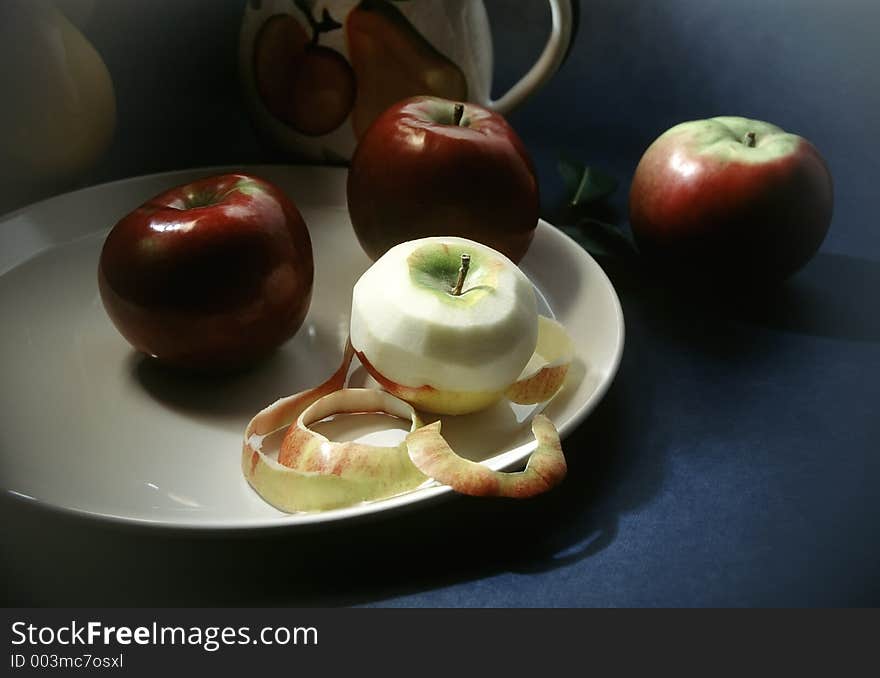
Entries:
{"x":414,"y":174}
{"x":715,"y":215}
{"x":209,"y":276}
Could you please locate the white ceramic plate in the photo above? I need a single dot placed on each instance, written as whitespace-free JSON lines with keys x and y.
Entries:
{"x":90,"y":427}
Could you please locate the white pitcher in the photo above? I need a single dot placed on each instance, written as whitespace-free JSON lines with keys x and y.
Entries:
{"x":315,"y":73}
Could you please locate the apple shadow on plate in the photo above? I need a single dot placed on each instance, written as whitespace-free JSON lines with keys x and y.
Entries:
{"x":230,"y":400}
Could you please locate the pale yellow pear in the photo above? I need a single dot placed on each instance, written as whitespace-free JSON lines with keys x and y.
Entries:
{"x":59,"y":108}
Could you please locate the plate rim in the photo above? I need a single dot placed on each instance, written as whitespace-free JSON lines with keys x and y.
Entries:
{"x":395,"y":504}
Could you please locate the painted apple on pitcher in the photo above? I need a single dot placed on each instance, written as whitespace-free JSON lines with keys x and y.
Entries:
{"x":317,"y":73}
{"x":301,"y":83}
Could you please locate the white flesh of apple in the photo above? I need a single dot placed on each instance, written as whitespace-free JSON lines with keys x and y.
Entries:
{"x":418,"y":335}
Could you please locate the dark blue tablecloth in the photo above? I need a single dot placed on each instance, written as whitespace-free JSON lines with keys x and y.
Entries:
{"x":736,"y":459}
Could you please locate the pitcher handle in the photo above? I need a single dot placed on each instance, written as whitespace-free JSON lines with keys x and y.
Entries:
{"x":556,"y":50}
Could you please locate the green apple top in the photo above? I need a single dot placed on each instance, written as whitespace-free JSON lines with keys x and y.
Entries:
{"x":413,"y":326}
{"x":736,"y":139}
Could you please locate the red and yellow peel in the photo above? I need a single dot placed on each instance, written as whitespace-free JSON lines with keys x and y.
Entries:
{"x":291,"y":489}
{"x":545,"y":374}
{"x":283,"y":412}
{"x":314,"y":473}
{"x":545,"y":469}
{"x":310,"y":452}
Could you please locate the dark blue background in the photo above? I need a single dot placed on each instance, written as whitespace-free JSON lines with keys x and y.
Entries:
{"x":734,"y":462}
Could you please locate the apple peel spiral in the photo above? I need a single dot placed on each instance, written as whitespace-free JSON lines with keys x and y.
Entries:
{"x":544,"y":470}
{"x":313,"y":473}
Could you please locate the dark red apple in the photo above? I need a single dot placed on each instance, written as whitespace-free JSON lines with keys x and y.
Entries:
{"x":429,"y":167}
{"x":735,"y":201}
{"x":210,"y":275}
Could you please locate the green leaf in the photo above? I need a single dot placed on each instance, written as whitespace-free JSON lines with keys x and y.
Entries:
{"x":585,"y":184}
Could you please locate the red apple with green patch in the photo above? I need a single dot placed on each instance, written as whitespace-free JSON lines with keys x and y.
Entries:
{"x":729,"y":199}
{"x":434,"y":167}
{"x":210,"y":275}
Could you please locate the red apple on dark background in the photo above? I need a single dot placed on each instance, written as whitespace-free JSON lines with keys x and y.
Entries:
{"x":429,"y":166}
{"x":729,"y":199}
{"x":210,"y":275}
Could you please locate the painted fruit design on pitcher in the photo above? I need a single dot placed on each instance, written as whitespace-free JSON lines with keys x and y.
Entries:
{"x":393,"y":61}
{"x":313,"y":88}
{"x":301,"y":82}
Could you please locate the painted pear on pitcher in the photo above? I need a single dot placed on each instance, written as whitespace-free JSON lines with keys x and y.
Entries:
{"x":393,"y":61}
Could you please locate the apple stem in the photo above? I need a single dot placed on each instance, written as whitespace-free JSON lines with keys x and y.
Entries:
{"x":751,"y":139}
{"x":457,"y":114}
{"x":462,"y":273}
